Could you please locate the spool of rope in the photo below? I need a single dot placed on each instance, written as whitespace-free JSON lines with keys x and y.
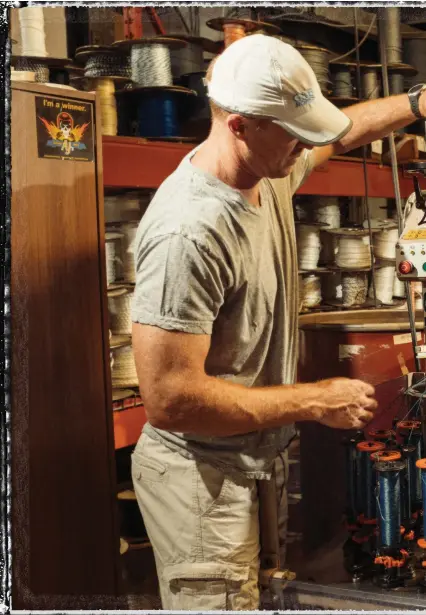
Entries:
{"x":31,"y":22}
{"x":151,"y":65}
{"x":23,"y":75}
{"x":409,"y":484}
{"x":384,"y":278}
{"x":107,"y":64}
{"x":105,"y":89}
{"x":113,"y":256}
{"x":327,"y":211}
{"x":366,"y":504}
{"x":235,"y":28}
{"x":342,"y":81}
{"x":370,"y":82}
{"x":318,"y":59}
{"x":41,"y":70}
{"x":385,"y":240}
{"x":354,"y":288}
{"x":157,"y":115}
{"x":308,"y":246}
{"x":389,"y":475}
{"x":129,"y":230}
{"x":310,"y":288}
{"x":124,"y":369}
{"x":392,"y":31}
{"x":331,"y":286}
{"x":421,"y":466}
{"x":353,"y":248}
{"x":119,"y":306}
{"x":398,"y":287}
{"x":410,"y":432}
{"x":187,"y":60}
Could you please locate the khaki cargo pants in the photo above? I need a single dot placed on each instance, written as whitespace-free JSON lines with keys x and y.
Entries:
{"x":203,"y":527}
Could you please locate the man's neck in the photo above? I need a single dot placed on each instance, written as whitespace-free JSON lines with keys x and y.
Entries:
{"x":217,"y":159}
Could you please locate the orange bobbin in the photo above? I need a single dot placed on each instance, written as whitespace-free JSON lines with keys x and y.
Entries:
{"x":408,"y":425}
{"x":422,"y":543}
{"x":370,"y":446}
{"x":421,"y":464}
{"x":380,"y":434}
{"x":232,"y":32}
{"x":234,"y":28}
{"x":385,"y":456}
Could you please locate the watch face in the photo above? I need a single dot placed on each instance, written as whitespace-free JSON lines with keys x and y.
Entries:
{"x":416,"y":88}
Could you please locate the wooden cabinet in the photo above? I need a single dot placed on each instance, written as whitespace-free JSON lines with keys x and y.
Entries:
{"x":65,"y":537}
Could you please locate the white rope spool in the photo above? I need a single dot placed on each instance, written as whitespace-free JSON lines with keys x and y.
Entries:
{"x":308,"y":246}
{"x":124,"y":369}
{"x":113,"y":256}
{"x":33,"y":39}
{"x":150,"y":65}
{"x":302,"y":212}
{"x":384,"y":278}
{"x":354,"y":288}
{"x":331,"y":286}
{"x":327,"y":211}
{"x":119,"y":309}
{"x":129,"y":230}
{"x":385,"y":241}
{"x":398,"y":288}
{"x":310,"y":291}
{"x":353,"y":248}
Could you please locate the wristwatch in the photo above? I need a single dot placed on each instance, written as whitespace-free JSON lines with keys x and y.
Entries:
{"x":413,"y":96}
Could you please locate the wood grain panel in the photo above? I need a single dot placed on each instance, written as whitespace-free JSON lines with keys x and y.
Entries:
{"x":64,"y":516}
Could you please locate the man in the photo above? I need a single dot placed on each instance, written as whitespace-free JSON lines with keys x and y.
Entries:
{"x":215,"y":319}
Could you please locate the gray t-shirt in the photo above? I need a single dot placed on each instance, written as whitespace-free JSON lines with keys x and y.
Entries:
{"x":208,"y":262}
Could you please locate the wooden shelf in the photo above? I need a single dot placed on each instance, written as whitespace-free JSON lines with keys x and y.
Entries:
{"x":136,"y":163}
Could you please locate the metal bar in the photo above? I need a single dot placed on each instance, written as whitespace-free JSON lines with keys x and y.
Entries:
{"x":364,"y":158}
{"x":156,"y":21}
{"x":182,"y":19}
{"x":395,"y":177}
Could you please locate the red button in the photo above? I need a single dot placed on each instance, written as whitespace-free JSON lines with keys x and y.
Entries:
{"x":406,"y":267}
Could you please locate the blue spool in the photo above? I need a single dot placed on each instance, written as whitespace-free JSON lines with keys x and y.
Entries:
{"x":389,"y":475}
{"x":157,"y":116}
{"x":421,"y":466}
{"x":408,"y":482}
{"x":366,"y":478}
{"x":351,"y":477}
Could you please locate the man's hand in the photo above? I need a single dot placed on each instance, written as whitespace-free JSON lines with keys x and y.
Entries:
{"x":345,"y":403}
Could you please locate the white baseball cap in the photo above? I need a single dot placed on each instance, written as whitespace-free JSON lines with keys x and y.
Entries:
{"x":261,"y":76}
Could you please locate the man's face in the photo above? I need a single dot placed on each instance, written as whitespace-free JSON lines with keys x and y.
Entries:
{"x":270,"y":151}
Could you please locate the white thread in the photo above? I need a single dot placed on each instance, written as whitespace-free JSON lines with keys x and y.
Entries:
{"x":384,"y":278}
{"x":354,"y":289}
{"x":308,"y":246}
{"x":129,"y":230}
{"x":398,"y":287}
{"x":384,"y":243}
{"x":327,"y":211}
{"x":353,"y":252}
{"x":124,"y":369}
{"x":151,"y":65}
{"x":113,"y":256}
{"x":310,"y":289}
{"x":33,"y":40}
{"x":331,"y":286}
{"x":119,"y":309}
{"x":328,"y":248}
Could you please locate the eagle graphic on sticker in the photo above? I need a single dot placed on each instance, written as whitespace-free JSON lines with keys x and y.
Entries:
{"x":64,"y":134}
{"x":303,"y":98}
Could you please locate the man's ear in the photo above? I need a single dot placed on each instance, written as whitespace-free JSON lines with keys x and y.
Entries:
{"x":236,"y":125}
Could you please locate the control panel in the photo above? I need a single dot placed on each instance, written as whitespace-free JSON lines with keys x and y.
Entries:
{"x":411,"y":247}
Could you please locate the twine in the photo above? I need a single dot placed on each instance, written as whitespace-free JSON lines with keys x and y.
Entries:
{"x":105,"y":89}
{"x":354,"y":288}
{"x":370,"y":84}
{"x":150,"y":65}
{"x":119,"y":308}
{"x":342,"y":82}
{"x":109,"y":64}
{"x":384,"y":278}
{"x":41,"y":71}
{"x":33,"y":39}
{"x":310,"y":291}
{"x":353,"y":252}
{"x":384,"y":243}
{"x":398,"y":287}
{"x":124,"y":368}
{"x":327,"y":211}
{"x":308,"y":246}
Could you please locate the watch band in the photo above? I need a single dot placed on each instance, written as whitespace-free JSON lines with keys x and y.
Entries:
{"x":414,"y":96}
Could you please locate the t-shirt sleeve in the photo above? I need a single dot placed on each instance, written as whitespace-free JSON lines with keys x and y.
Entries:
{"x":301,"y":170}
{"x":180,"y":285}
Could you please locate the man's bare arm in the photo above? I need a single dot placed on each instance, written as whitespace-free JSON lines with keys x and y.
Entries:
{"x":372,"y":120}
{"x":179,"y":396}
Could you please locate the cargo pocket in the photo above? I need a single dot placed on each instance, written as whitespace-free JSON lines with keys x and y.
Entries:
{"x":202,"y":586}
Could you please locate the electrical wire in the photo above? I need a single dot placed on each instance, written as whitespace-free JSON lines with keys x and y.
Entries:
{"x":357,"y":44}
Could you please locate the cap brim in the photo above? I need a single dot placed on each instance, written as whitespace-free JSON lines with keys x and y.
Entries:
{"x":323,"y":124}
